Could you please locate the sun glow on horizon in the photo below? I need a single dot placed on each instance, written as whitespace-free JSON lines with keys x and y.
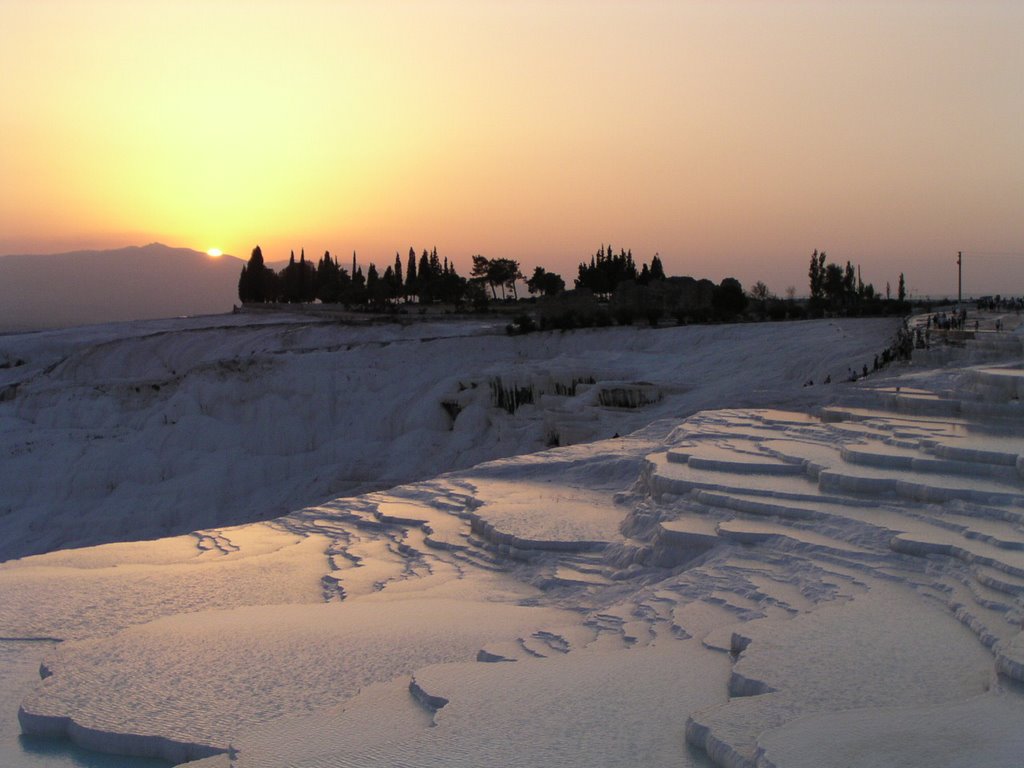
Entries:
{"x":725,"y":140}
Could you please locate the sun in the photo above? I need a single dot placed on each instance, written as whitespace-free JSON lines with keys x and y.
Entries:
{"x":214,"y":252}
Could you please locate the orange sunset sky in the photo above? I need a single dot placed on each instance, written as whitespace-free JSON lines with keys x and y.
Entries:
{"x":733,"y":138}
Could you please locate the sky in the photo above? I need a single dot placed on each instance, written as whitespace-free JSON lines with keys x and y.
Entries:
{"x":730,"y":138}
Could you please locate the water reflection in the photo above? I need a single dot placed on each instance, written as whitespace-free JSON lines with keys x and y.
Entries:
{"x":62,"y":753}
{"x":19,"y":673}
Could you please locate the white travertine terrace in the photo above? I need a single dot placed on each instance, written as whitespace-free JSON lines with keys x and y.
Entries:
{"x":838,"y":586}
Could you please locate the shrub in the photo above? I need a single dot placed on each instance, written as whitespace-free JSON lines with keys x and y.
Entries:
{"x":624,"y":315}
{"x":521,"y":324}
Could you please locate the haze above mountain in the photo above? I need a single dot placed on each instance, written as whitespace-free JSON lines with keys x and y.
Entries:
{"x":135,"y":283}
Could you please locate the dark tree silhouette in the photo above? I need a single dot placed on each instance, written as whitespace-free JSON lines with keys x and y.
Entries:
{"x":728,"y":299}
{"x":606,"y":271}
{"x":399,"y":287}
{"x":841,"y":289}
{"x":244,"y":293}
{"x":451,"y":287}
{"x":377,"y":288}
{"x":388,"y":284}
{"x":481,"y":272}
{"x":410,"y":275}
{"x":298,"y":280}
{"x":505,"y":273}
{"x":357,"y":292}
{"x":833,"y":283}
{"x":501,"y":273}
{"x":425,"y":279}
{"x":849,"y":283}
{"x":657,"y":270}
{"x":307,"y":278}
{"x":544,"y":282}
{"x":328,"y":280}
{"x":760,"y":292}
{"x":257,"y":281}
{"x":817,"y":275}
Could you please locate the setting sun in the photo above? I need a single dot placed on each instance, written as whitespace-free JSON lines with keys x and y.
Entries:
{"x":214,"y":252}
{"x":733,"y":138}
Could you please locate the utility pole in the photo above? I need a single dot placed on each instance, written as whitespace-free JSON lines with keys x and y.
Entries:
{"x":959,"y":278}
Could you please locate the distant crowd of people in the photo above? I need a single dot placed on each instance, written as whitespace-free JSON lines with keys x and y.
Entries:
{"x":909,"y":338}
{"x":949,"y":321}
{"x":997,"y":303}
{"x":901,"y":348}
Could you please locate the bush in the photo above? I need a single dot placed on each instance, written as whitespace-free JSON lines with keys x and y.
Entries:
{"x":796,"y":311}
{"x":728,"y":299}
{"x":521,"y":324}
{"x":776,"y":310}
{"x":558,"y":322}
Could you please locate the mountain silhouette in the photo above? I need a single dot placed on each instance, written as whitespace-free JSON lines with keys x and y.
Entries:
{"x":135,"y":283}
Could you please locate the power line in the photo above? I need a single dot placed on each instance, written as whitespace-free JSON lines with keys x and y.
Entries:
{"x":1005,"y":254}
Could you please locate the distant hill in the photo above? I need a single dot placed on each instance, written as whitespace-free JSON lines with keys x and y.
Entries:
{"x":135,"y":283}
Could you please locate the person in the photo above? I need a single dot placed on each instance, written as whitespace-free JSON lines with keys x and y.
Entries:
{"x":828,"y":378}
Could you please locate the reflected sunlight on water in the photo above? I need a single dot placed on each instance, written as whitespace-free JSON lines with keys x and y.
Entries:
{"x":19,"y":671}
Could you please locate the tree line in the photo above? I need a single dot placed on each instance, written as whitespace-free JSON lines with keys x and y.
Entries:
{"x":608,"y":287}
{"x":427,"y":279}
{"x":606,"y":271}
{"x":840,"y":290}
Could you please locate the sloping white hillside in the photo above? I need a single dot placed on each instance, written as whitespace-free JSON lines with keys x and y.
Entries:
{"x":149,"y":429}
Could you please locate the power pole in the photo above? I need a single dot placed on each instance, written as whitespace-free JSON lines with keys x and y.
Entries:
{"x":959,"y":278}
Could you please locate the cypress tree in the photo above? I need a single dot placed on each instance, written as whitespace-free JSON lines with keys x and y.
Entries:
{"x":244,"y":293}
{"x":397,"y":277}
{"x":849,"y":281}
{"x":657,"y":270}
{"x":307,"y":279}
{"x":425,"y":280}
{"x":814,"y":277}
{"x":255,"y":282}
{"x":328,"y":285}
{"x":354,"y":289}
{"x":410,"y":275}
{"x":290,"y":285}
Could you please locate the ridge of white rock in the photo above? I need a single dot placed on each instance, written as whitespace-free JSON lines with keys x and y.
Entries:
{"x":208,"y":422}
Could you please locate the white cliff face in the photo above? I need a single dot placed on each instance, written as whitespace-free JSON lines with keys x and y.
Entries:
{"x":145,"y":430}
{"x":839,"y":585}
